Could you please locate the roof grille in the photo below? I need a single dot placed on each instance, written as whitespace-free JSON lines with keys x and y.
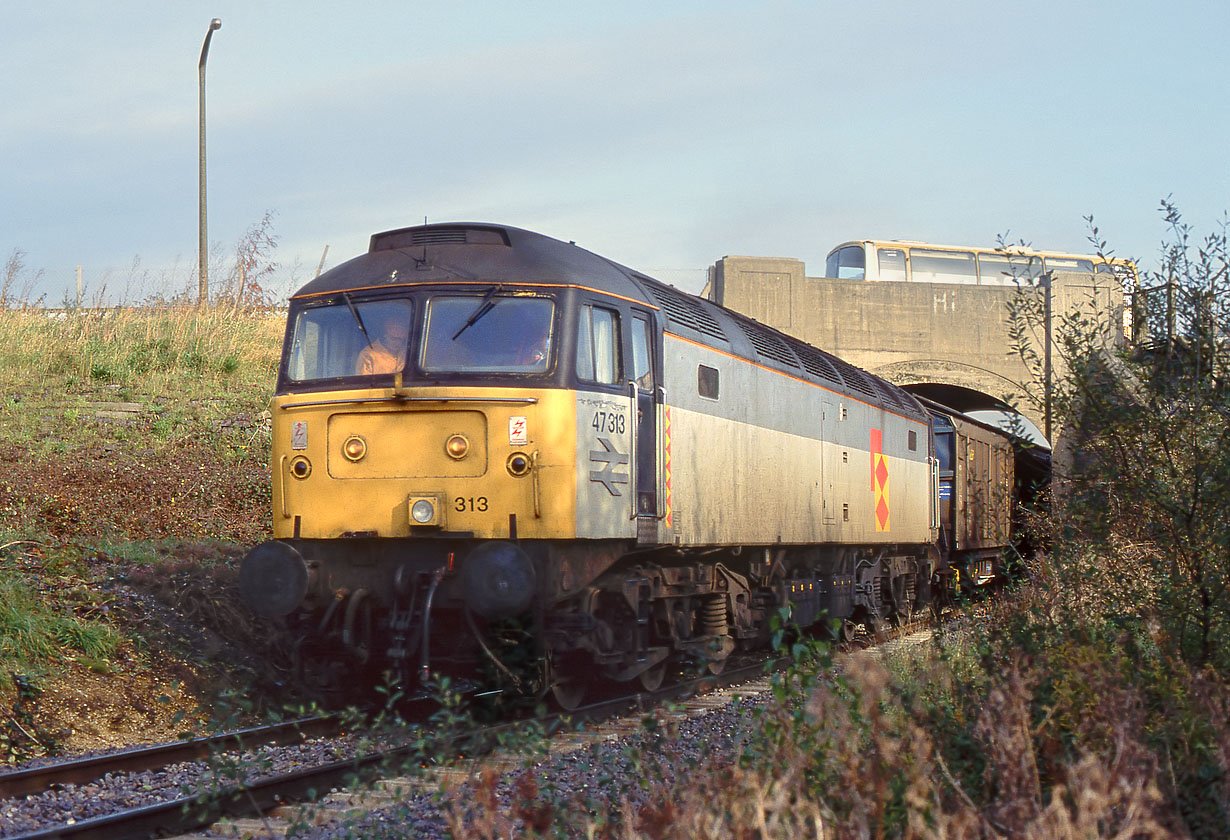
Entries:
{"x":682,"y":309}
{"x":853,"y":377}
{"x":440,"y":237}
{"x":816,"y":363}
{"x":443,"y":235}
{"x":890,"y":394}
{"x":767,"y":344}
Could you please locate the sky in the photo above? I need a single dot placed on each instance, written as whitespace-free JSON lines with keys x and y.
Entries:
{"x":663,"y":135}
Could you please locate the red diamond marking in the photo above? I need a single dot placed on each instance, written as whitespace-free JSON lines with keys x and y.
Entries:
{"x":882,"y":512}
{"x":881,"y":472}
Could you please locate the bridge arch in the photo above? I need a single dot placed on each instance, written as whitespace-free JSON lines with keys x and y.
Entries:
{"x":983,"y":393}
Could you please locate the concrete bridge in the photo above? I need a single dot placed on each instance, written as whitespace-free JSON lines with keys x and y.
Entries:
{"x":943,"y":340}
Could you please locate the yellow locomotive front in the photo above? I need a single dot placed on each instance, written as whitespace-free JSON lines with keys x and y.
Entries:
{"x":422,"y":459}
{"x":465,"y":447}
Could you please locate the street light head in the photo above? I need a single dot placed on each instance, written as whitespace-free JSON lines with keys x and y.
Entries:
{"x":216,"y":23}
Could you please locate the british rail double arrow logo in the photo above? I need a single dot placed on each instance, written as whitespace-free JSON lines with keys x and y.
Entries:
{"x":610,"y":459}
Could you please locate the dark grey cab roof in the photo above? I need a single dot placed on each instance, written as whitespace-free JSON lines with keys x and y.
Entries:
{"x":467,"y":252}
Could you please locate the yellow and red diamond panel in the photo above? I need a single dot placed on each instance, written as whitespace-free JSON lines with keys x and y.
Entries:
{"x":666,"y":434}
{"x":879,"y":479}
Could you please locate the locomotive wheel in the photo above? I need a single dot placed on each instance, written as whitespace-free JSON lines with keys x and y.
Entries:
{"x":319,"y":668}
{"x":568,"y":676}
{"x":569,"y":692}
{"x":847,"y":631}
{"x":716,"y":666}
{"x":651,"y":679}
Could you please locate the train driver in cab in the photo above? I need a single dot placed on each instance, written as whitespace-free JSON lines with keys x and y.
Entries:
{"x":533,"y":352}
{"x":386,"y":350}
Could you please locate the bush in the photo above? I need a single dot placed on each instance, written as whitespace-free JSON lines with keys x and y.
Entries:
{"x":1147,"y":427}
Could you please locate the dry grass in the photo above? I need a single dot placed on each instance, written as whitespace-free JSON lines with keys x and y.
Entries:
{"x":143,"y":347}
{"x":1054,"y":720}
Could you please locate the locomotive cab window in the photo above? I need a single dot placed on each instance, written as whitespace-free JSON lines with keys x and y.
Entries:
{"x":488,"y":333}
{"x":348,"y":337}
{"x":642,"y":365}
{"x":707,"y":383}
{"x":598,"y":346}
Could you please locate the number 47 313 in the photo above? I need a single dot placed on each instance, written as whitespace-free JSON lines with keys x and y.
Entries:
{"x":609,"y":422}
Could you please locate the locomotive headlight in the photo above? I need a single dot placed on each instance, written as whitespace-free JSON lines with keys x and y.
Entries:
{"x":354,"y":448}
{"x":457,"y":447}
{"x":423,"y":511}
{"x":301,"y":467}
{"x":519,"y":464}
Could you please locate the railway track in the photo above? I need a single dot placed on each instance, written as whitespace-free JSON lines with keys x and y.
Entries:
{"x":251,"y":798}
{"x":83,"y":770}
{"x":245,"y":802}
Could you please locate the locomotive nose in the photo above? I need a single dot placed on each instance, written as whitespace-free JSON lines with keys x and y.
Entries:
{"x":273,"y":579}
{"x":498,"y":580}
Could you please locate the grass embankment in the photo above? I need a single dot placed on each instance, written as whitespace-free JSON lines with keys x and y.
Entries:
{"x":127,"y":436}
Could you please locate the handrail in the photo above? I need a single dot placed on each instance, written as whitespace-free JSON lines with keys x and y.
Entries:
{"x":360,"y":400}
{"x":632,"y":429}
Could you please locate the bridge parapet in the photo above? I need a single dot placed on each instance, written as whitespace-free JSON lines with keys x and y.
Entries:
{"x":920,"y":334}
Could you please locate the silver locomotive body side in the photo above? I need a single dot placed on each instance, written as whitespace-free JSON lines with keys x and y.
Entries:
{"x":776,"y":460}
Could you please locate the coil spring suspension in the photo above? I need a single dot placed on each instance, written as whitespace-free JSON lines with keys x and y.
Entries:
{"x":713,"y":616}
{"x":910,"y":595}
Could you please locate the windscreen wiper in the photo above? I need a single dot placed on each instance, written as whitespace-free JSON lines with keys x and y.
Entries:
{"x":357,"y":318}
{"x":484,"y":306}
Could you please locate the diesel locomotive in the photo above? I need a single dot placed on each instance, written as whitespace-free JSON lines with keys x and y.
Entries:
{"x":499,"y":456}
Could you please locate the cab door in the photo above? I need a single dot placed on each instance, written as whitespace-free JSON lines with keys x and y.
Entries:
{"x":645,"y":395}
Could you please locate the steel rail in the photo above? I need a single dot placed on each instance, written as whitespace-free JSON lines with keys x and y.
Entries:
{"x":33,"y":780}
{"x":191,"y":813}
{"x":252,"y":799}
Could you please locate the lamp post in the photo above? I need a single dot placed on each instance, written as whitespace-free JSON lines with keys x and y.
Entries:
{"x":203,"y":260}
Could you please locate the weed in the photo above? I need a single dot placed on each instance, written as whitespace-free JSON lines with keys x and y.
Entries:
{"x":37,"y":624}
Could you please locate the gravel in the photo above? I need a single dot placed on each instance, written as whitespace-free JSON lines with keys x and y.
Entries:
{"x":70,"y":803}
{"x":593,"y":778}
{"x":596,"y":780}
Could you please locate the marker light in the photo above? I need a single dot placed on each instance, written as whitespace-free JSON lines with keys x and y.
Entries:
{"x":301,"y":467}
{"x":457,"y":447}
{"x":354,"y":448}
{"x":423,"y":511}
{"x":519,"y":464}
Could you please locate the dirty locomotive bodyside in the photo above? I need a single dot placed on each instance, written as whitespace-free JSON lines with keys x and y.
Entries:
{"x":502,"y":457}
